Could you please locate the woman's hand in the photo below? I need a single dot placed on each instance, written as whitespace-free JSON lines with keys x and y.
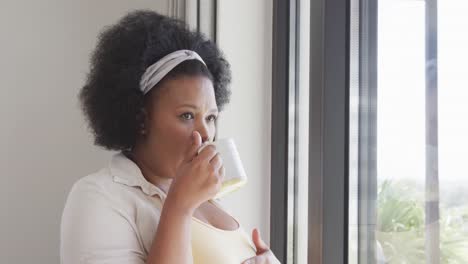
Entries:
{"x":264,"y":254}
{"x":198,"y":178}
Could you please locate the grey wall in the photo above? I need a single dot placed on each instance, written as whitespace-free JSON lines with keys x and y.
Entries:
{"x":245,"y":34}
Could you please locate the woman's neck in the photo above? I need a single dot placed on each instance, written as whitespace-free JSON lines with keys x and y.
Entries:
{"x":150,"y":174}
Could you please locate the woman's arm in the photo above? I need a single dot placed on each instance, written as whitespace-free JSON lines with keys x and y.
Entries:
{"x":198,"y":179}
{"x":172,"y":242}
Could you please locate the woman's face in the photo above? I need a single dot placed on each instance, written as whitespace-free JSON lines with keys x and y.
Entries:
{"x":181,"y":105}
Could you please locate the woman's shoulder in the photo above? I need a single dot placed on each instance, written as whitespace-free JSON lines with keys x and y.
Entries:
{"x":102,"y":186}
{"x":103,"y":183}
{"x":92,"y":188}
{"x":95,"y":210}
{"x":96,"y":181}
{"x":99,"y":197}
{"x":116,"y":185}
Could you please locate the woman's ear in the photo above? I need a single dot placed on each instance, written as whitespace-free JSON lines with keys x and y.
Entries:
{"x":143,"y":121}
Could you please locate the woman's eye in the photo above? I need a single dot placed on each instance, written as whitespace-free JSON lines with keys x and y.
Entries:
{"x":187,"y":116}
{"x":212,"y":118}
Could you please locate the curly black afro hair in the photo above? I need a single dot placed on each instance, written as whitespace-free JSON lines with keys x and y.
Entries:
{"x":111,"y":98}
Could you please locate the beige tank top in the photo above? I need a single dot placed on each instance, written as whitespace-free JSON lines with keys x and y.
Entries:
{"x":211,"y":245}
{"x":214,"y":245}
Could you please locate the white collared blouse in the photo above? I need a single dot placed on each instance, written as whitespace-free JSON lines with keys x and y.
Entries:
{"x":111,"y":216}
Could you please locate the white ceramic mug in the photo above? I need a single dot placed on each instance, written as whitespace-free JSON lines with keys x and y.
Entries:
{"x":234,"y":176}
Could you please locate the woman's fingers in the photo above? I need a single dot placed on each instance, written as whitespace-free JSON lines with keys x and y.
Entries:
{"x":207,"y":154}
{"x":258,"y":242}
{"x":264,"y":254}
{"x":196,"y":143}
{"x":222,"y":172}
{"x":216,"y":162}
{"x":217,"y":165}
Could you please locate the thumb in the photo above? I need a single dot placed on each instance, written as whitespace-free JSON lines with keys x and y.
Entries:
{"x":259,"y":243}
{"x":196,"y":142}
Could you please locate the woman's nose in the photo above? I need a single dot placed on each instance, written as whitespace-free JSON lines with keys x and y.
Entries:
{"x":203,"y":129}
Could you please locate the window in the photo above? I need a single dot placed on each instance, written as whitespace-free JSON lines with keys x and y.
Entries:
{"x":378,"y":159}
{"x":408,"y":198}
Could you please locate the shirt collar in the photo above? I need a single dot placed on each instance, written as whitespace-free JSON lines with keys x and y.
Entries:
{"x":125,"y":171}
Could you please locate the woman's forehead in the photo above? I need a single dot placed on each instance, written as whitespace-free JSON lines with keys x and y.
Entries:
{"x":188,"y":90}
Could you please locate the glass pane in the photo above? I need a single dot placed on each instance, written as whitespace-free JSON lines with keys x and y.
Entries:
{"x":453,"y":129}
{"x":421,"y":201}
{"x":401,"y":132}
{"x":302,"y":134}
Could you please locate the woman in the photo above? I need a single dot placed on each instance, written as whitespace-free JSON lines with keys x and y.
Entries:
{"x":153,"y":94}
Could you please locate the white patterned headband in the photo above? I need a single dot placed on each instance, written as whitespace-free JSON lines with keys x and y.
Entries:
{"x":156,"y":72}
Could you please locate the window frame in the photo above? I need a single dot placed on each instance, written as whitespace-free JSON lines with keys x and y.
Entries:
{"x":328,"y":129}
